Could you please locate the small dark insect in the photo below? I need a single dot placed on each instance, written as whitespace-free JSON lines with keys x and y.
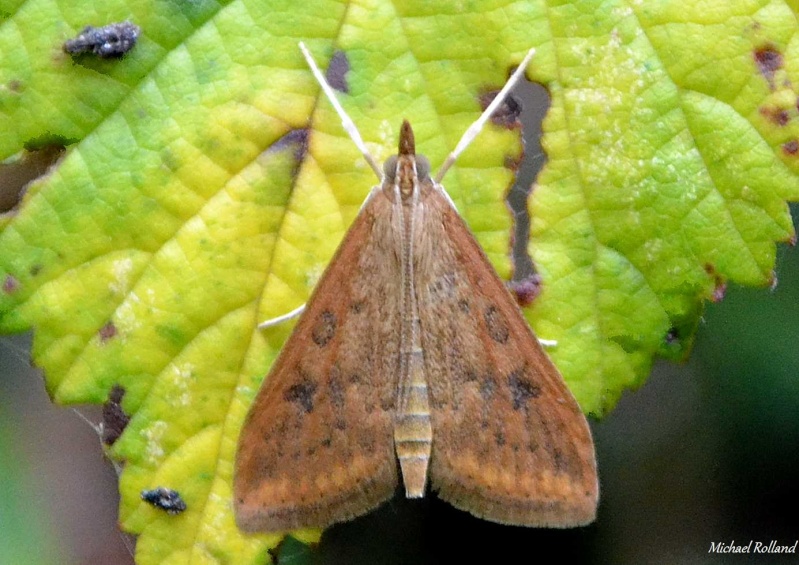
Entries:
{"x":112,"y":40}
{"x":164,"y":498}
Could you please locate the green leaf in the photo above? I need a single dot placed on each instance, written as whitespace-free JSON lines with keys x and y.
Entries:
{"x":207,"y":183}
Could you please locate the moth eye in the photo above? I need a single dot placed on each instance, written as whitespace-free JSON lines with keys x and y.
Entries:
{"x":390,"y":168}
{"x":422,"y":167}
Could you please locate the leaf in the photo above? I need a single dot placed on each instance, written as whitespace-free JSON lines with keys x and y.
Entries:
{"x":207,"y":183}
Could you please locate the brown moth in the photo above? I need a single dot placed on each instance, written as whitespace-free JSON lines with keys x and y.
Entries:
{"x":411,"y":348}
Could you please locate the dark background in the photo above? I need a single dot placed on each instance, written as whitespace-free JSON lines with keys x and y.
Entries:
{"x":703,"y":452}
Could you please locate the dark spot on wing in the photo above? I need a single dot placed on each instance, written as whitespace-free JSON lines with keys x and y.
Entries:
{"x":463,"y":305}
{"x":337,"y":69}
{"x":521,"y":389}
{"x":336,"y":389}
{"x":302,"y":394}
{"x":324,"y":329}
{"x":499,"y":438}
{"x":496,"y":325}
{"x":357,"y":307}
{"x":488,"y":387}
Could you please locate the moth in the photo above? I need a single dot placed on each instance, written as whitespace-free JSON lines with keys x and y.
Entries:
{"x":412,"y":350}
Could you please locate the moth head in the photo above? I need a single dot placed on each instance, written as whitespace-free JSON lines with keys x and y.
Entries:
{"x":422,"y":168}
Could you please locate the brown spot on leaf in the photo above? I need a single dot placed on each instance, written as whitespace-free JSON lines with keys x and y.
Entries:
{"x":10,"y":284}
{"x":769,"y":60}
{"x":775,"y":115}
{"x":719,"y":290}
{"x":337,"y":69}
{"x":114,"y":418}
{"x":108,"y":331}
{"x":507,"y":115}
{"x":324,"y":329}
{"x":15,"y":85}
{"x":790,"y":147}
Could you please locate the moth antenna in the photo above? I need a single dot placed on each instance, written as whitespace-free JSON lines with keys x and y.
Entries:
{"x":346,"y":121}
{"x":475,"y":128}
{"x":280,"y":319}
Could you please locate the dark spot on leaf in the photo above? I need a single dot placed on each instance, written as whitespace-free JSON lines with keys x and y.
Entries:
{"x":164,"y":498}
{"x":499,"y":438}
{"x":496,"y":325}
{"x":522,"y":389}
{"x":302,"y":394}
{"x":296,"y":138}
{"x":114,"y":418}
{"x":108,"y":331}
{"x":15,"y":85}
{"x":790,"y":147}
{"x":10,"y":284}
{"x":526,"y":290}
{"x":719,"y":290}
{"x":775,"y":115}
{"x":513,"y":162}
{"x":110,"y":41}
{"x":769,"y":61}
{"x":324,"y":328}
{"x":337,"y":70}
{"x":672,"y":336}
{"x":35,"y":270}
{"x":507,"y":115}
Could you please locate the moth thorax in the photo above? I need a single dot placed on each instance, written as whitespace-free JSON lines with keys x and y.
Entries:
{"x":406,"y":175}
